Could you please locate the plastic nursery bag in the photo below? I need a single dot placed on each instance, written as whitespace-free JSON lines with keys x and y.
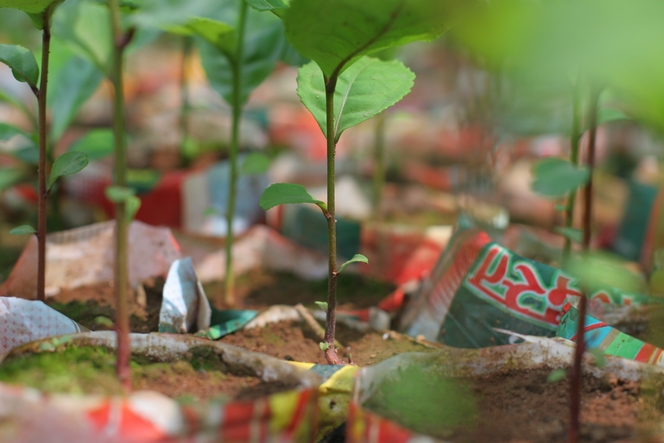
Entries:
{"x":84,"y":256}
{"x":478,"y":285}
{"x":23,"y":321}
{"x":146,"y":416}
{"x":599,"y":335}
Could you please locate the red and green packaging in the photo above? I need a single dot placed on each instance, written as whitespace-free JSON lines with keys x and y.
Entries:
{"x":478,"y":285}
{"x":599,"y":335}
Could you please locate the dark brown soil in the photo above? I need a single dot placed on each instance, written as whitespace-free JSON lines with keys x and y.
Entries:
{"x":296,"y":341}
{"x":94,"y":306}
{"x":260,"y":289}
{"x":524,"y":407}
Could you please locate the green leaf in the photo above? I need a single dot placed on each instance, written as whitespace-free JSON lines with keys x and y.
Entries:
{"x":132,"y":205}
{"x":256,"y":163}
{"x":68,"y":163}
{"x":556,"y":375}
{"x":218,"y":34}
{"x":560,"y":207}
{"x":357,"y":258}
{"x":28,"y":153}
{"x":337,"y":33}
{"x":266,"y":5}
{"x":322,"y":305}
{"x":576,"y":235}
{"x":323,"y":346}
{"x":8,"y":131}
{"x":264,"y":45}
{"x":160,"y":13}
{"x":9,"y":177}
{"x":69,"y":89}
{"x":22,"y":230}
{"x":598,"y":356}
{"x":22,"y":63}
{"x":606,"y":115}
{"x":602,"y":269}
{"x":96,"y":144}
{"x":287,"y":193}
{"x":118,"y":194}
{"x":554,"y":177}
{"x":365,"y":89}
{"x":85,"y":28}
{"x":29,"y":6}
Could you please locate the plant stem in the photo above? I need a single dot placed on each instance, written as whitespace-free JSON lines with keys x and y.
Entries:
{"x":575,"y":138}
{"x":229,"y":283}
{"x":121,"y":226}
{"x":41,"y":168}
{"x":331,"y":319}
{"x":379,"y":163}
{"x":575,"y":379}
{"x":187,"y":44}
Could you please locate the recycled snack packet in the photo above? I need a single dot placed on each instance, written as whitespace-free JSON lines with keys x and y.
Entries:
{"x":478,"y":285}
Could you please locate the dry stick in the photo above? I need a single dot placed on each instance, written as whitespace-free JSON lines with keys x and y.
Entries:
{"x":330,"y":321}
{"x":575,"y":380}
{"x":313,"y":324}
{"x":120,"y":41}
{"x":41,"y":168}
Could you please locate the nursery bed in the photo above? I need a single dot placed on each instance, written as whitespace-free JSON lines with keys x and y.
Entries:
{"x":262,"y":288}
{"x":292,"y":340}
{"x":91,"y":370}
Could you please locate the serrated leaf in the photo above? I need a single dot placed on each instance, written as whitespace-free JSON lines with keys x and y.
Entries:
{"x":68,"y":163}
{"x":357,"y":258}
{"x":22,"y":230}
{"x":96,"y":144}
{"x":556,"y":375}
{"x":118,"y":194}
{"x":8,"y":131}
{"x":69,"y":89}
{"x":365,"y":89}
{"x":266,"y":5}
{"x":322,"y":305}
{"x":554,"y":177}
{"x":256,"y":163}
{"x":22,"y":63}
{"x":336,"y":34}
{"x":576,"y":235}
{"x":287,"y":193}
{"x":264,"y":45}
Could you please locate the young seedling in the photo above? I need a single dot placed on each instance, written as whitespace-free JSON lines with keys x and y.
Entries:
{"x":24,"y":67}
{"x":343,"y":87}
{"x":237,"y":58}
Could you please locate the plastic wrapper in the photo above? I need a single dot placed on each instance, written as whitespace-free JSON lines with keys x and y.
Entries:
{"x":478,"y":285}
{"x":599,"y":335}
{"x":26,"y":415}
{"x":84,"y":256}
{"x":23,"y":321}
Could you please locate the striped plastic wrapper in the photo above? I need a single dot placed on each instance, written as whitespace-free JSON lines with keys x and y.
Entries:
{"x":366,"y":427}
{"x":599,"y":335}
{"x":147,"y":417}
{"x":478,"y":285}
{"x":27,"y":415}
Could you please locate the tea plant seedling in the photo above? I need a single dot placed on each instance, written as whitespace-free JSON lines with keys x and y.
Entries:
{"x":24,"y":67}
{"x":342,"y":87}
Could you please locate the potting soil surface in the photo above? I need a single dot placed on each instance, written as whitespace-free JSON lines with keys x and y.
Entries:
{"x":261,"y":288}
{"x":93,"y":306}
{"x":521,"y":406}
{"x":292,"y":340}
{"x":91,"y":370}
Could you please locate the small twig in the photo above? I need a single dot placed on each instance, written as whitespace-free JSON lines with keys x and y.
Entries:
{"x":313,"y":324}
